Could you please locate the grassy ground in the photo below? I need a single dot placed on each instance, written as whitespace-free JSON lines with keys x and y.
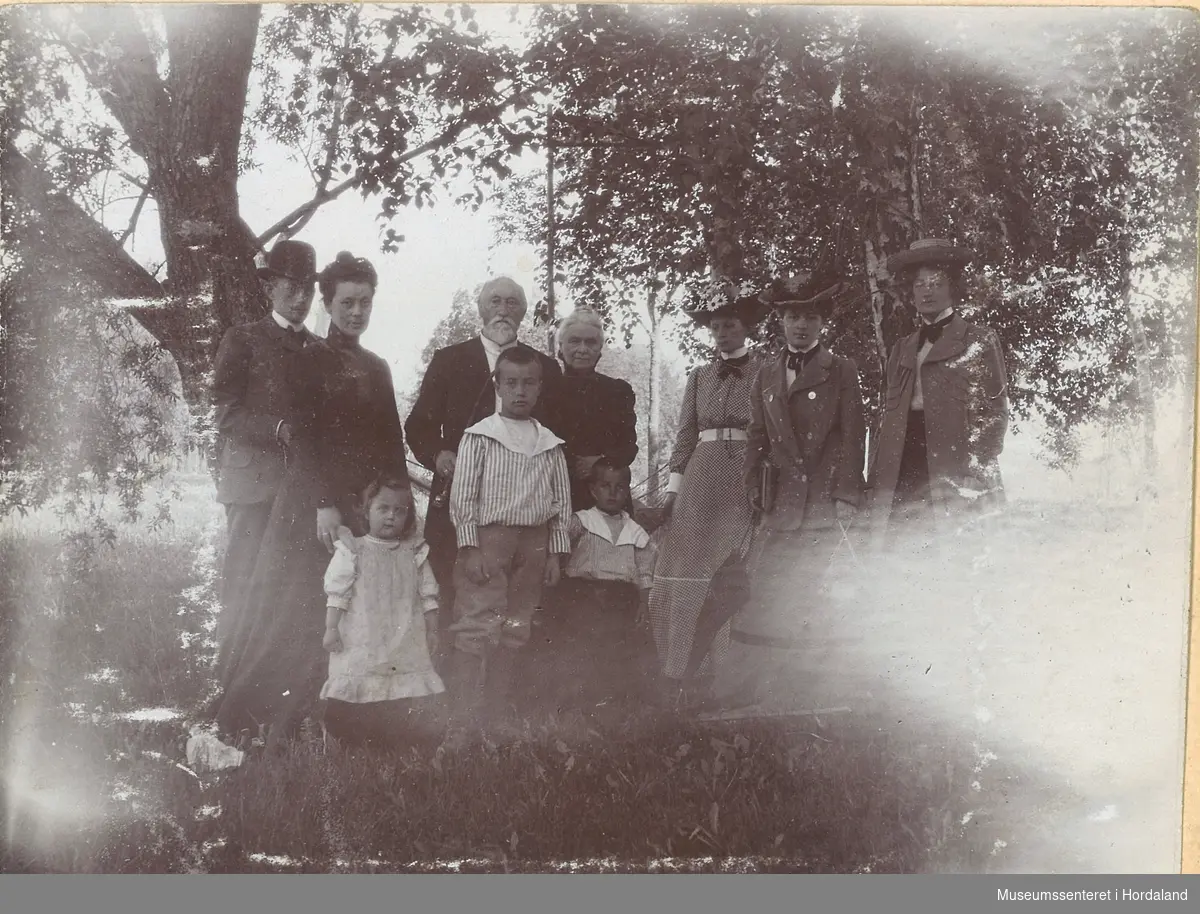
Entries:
{"x":92,"y":785}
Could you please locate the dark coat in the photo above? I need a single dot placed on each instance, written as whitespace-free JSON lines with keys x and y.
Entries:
{"x":964,"y":386}
{"x":457,"y":392}
{"x":252,"y":395}
{"x":814,"y":433}
{"x":595,"y":415}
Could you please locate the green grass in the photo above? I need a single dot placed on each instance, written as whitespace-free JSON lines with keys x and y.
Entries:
{"x":87,"y":791}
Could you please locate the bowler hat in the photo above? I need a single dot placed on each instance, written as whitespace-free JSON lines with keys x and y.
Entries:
{"x":816,"y":292}
{"x":721,"y":298}
{"x":928,"y":252}
{"x":291,"y":260}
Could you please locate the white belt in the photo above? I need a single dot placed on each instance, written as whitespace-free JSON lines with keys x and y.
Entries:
{"x":724,"y":434}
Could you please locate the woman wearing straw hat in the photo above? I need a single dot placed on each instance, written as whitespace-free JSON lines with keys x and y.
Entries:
{"x":710,"y":521}
{"x":945,"y":408}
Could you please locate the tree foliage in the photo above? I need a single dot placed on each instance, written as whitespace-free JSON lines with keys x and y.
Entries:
{"x":688,"y":142}
{"x":752,"y":142}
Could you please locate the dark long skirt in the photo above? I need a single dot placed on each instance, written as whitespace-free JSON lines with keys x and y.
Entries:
{"x":275,"y":665}
{"x":912,"y":481}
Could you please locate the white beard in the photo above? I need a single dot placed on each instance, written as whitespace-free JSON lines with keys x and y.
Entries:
{"x":501,"y":336}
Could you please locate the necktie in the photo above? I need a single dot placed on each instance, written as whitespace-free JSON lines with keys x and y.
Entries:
{"x":728,"y":367}
{"x":931,"y":333}
{"x":797,"y":360}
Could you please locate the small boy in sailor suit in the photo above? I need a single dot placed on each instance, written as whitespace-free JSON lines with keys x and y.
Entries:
{"x":603,"y":596}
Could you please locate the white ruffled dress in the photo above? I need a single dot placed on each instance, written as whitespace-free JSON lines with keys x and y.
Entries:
{"x":385,"y":588}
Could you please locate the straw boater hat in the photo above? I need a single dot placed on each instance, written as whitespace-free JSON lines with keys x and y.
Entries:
{"x":928,"y":252}
{"x":818,"y":292}
{"x":721,"y":298}
{"x":291,"y":260}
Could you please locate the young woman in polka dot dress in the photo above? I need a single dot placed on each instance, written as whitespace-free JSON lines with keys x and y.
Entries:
{"x":709,"y":519}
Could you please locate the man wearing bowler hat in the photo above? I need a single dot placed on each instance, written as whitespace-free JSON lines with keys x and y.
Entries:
{"x":252,"y":400}
{"x":807,"y":424}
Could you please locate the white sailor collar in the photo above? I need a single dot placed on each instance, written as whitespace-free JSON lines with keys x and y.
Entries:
{"x":496,"y":428}
{"x":631,"y":534}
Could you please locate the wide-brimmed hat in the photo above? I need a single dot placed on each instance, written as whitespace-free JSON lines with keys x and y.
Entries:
{"x":721,"y":298}
{"x":292,"y":260}
{"x":819,"y":292}
{"x":928,"y":252}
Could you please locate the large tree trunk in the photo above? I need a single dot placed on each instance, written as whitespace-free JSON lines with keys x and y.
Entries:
{"x":186,"y":124}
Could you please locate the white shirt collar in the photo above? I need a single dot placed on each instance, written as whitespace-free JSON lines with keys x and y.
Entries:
{"x":285,"y":323}
{"x":494,"y":348}
{"x":735,"y":355}
{"x":792,"y":348}
{"x":945,"y":314}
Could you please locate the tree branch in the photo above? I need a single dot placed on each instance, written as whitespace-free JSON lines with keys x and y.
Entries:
{"x":133,"y":220}
{"x":450,"y":134}
{"x":119,"y":64}
{"x":84,"y":150}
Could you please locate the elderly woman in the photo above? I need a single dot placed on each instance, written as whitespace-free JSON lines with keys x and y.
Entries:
{"x":946,"y":410}
{"x":593,"y":413}
{"x":710,"y":519}
{"x":346,"y":432}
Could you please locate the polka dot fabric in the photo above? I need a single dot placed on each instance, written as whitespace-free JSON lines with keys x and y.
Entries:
{"x":712,"y":519}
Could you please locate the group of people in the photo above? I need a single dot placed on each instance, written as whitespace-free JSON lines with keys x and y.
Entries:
{"x":335,"y":590}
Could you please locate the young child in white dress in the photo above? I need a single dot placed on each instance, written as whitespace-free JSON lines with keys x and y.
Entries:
{"x":381,"y":626}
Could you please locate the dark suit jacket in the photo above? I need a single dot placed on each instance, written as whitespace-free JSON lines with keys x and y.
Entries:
{"x":252,"y":395}
{"x":457,"y":392}
{"x":814,"y":432}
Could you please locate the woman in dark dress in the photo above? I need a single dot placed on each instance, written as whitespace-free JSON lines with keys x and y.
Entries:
{"x":594,"y":414}
{"x":347,"y":432}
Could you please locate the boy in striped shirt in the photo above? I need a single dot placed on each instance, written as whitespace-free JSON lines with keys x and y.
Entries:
{"x":511,"y":506}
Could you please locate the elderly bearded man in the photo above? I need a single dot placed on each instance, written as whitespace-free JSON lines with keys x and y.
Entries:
{"x":457,"y":392}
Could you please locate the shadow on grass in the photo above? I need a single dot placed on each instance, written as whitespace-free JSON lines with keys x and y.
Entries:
{"x":638,"y":792}
{"x":654,"y":795}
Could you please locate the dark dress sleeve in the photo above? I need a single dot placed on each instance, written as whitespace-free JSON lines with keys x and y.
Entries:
{"x":624,"y":447}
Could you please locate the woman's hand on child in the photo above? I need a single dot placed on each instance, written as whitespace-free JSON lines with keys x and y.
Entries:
{"x":668,"y":506}
{"x":332,"y":641}
{"x":553,"y":571}
{"x":328,"y":521}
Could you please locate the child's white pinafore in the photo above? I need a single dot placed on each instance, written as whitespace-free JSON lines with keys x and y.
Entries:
{"x":385,"y":587}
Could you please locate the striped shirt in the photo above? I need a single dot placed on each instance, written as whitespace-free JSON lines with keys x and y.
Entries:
{"x":497,"y":481}
{"x":610,"y":548}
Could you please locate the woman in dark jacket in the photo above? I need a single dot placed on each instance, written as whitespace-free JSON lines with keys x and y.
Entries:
{"x":347,"y":432}
{"x":946,"y":407}
{"x":594,"y":414}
